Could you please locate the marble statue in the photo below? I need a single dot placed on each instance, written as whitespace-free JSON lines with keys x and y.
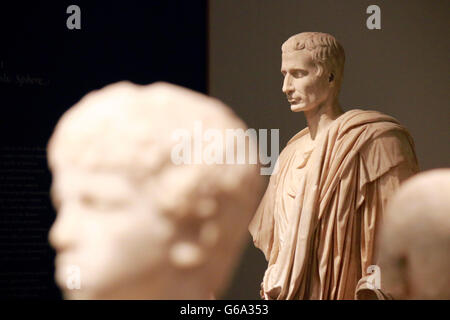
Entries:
{"x":414,"y":240}
{"x":132,"y":222}
{"x":317,"y":221}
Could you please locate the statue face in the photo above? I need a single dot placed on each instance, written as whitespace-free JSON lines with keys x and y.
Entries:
{"x":304,"y":89}
{"x":107,"y":236}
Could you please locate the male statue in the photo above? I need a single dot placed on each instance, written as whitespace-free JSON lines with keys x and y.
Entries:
{"x":317,"y":221}
{"x":133,"y":222}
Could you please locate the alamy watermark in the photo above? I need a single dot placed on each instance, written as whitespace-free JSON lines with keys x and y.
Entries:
{"x":374,"y":20}
{"x":74,"y":20}
{"x":229,"y":146}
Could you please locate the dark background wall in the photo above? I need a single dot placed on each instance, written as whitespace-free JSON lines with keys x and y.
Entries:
{"x":46,"y":68}
{"x":401,"y":70}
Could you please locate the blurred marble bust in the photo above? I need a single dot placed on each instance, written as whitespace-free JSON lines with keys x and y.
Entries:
{"x":414,"y":244}
{"x":133,"y":223}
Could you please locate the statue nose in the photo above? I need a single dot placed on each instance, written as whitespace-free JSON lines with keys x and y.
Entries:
{"x":63,"y":232}
{"x":287,"y":85}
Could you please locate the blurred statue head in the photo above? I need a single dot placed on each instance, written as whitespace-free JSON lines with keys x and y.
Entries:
{"x":414,"y":242}
{"x":132,"y":222}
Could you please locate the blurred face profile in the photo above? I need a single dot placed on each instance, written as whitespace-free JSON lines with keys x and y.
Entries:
{"x":106,"y":235}
{"x":130,"y":223}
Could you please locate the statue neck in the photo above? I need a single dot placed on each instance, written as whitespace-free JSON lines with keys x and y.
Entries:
{"x":321,"y":117}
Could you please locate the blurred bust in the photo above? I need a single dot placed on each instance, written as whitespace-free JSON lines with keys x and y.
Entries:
{"x":414,"y":244}
{"x":133,"y":223}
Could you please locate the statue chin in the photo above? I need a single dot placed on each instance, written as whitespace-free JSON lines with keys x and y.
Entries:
{"x":301,"y":107}
{"x":297,"y":107}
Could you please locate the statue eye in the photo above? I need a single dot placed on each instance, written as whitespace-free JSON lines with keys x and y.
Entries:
{"x":299,"y":73}
{"x":103,"y":204}
{"x":88,"y":200}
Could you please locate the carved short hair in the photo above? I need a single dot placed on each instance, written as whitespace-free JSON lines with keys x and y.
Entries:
{"x":325,"y":51}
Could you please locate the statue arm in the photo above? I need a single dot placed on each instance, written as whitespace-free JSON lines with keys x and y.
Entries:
{"x":371,"y":212}
{"x":387,"y":162}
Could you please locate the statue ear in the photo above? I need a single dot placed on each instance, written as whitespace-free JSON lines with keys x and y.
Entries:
{"x":331,"y":78}
{"x":186,"y":255}
{"x":193,"y":253}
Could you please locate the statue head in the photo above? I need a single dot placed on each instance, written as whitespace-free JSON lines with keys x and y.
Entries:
{"x":313,"y":68}
{"x":130,"y":222}
{"x":414,"y":241}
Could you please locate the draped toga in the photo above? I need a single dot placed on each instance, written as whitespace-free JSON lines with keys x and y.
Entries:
{"x":318,"y":218}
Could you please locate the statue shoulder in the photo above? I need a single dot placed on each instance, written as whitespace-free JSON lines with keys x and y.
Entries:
{"x":387,"y":151}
